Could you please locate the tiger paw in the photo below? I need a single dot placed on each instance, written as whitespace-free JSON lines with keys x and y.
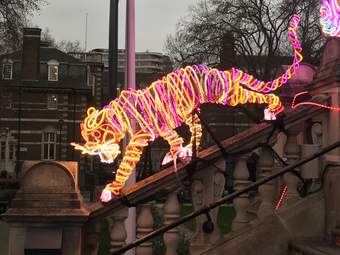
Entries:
{"x":182,"y":153}
{"x":269,"y":114}
{"x":106,"y":195}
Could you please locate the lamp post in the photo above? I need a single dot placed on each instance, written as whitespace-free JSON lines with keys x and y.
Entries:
{"x":61,"y":121}
{"x":113,"y":49}
{"x":130,"y":81}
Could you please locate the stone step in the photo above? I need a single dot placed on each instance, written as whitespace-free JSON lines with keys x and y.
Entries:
{"x":314,"y":248}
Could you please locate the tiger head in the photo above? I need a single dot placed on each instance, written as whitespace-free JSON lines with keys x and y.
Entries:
{"x":102,"y":134}
{"x":330,"y":17}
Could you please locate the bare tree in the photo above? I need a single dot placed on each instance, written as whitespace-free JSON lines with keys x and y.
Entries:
{"x":258,"y":30}
{"x":14,"y":15}
{"x":63,"y":45}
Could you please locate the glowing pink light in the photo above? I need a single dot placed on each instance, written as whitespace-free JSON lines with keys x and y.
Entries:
{"x":294,"y":105}
{"x":330,"y":18}
{"x":283,"y":194}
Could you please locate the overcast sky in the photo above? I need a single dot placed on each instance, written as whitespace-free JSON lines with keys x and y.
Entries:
{"x":155,"y":19}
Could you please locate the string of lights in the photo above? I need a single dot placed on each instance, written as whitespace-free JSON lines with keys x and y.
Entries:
{"x":169,"y":102}
{"x":296,"y":105}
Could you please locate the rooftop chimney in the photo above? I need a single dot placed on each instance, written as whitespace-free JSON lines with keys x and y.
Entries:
{"x":31,"y":54}
{"x":227,"y":54}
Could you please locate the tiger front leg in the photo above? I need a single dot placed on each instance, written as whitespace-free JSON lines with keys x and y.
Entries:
{"x":131,"y":157}
{"x":176,"y":147}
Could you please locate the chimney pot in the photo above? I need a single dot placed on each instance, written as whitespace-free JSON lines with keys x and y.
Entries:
{"x":31,"y":54}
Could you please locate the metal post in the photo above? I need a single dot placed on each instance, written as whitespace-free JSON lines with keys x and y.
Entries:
{"x":130,"y":81}
{"x":17,"y":168}
{"x":60,"y":127}
{"x":113,"y":51}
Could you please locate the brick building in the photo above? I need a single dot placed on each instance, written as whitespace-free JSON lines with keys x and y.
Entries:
{"x":44,"y":95}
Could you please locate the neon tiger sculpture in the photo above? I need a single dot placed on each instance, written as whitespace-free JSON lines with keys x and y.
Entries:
{"x":330,"y":17}
{"x":169,"y":102}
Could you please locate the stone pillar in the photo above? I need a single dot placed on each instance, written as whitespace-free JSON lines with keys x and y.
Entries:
{"x":144,"y":226}
{"x":117,"y":229}
{"x":332,"y":198}
{"x":311,"y":169}
{"x":292,"y":151}
{"x":332,"y":132}
{"x":48,"y":191}
{"x":92,"y":238}
{"x":207,"y":187}
{"x":241,"y":203}
{"x":267,"y":190}
{"x":171,"y":214}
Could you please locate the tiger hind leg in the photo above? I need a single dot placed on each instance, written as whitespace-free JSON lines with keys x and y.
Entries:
{"x":195,"y":127}
{"x":176,"y":147}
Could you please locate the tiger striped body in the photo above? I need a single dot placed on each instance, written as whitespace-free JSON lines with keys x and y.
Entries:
{"x":167,"y":104}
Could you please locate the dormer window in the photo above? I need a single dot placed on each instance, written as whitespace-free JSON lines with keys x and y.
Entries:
{"x":7,"y":69}
{"x":53,"y":70}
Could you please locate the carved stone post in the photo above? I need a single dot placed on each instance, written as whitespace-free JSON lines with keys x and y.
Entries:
{"x":117,"y":229}
{"x":144,"y":226}
{"x":207,"y":187}
{"x":171,"y":214}
{"x":241,"y":203}
{"x":92,"y":238}
{"x":292,"y":151}
{"x":267,"y":190}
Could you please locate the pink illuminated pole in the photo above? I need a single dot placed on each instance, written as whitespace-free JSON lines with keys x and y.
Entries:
{"x":130,"y":81}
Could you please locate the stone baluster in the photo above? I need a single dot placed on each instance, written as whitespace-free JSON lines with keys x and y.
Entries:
{"x":171,"y":214}
{"x":207,"y":187}
{"x":292,"y":152}
{"x":92,"y":238}
{"x":117,"y":229}
{"x":241,"y":203}
{"x":267,"y":191}
{"x":145,"y":223}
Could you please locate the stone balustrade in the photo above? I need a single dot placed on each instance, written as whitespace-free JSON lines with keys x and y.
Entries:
{"x":145,"y":224}
{"x":241,"y":203}
{"x":117,"y":229}
{"x":208,"y":186}
{"x":267,"y":191}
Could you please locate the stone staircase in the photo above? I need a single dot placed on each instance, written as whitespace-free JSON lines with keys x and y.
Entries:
{"x":314,"y":248}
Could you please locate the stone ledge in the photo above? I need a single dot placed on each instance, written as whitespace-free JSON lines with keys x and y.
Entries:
{"x":314,"y":248}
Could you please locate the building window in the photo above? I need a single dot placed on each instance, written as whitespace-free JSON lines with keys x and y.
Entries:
{"x":12,"y":151}
{"x":2,"y":150}
{"x":53,"y":70}
{"x":7,"y":148}
{"x":7,"y":70}
{"x":5,"y":100}
{"x":90,"y":77}
{"x":52,"y":102}
{"x":49,"y":145}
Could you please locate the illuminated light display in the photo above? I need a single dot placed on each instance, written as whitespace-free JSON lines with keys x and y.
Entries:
{"x":169,"y":102}
{"x":283,"y":194}
{"x":296,"y":105}
{"x":330,"y":17}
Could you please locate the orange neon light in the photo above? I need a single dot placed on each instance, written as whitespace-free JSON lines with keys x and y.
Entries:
{"x":169,"y":102}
